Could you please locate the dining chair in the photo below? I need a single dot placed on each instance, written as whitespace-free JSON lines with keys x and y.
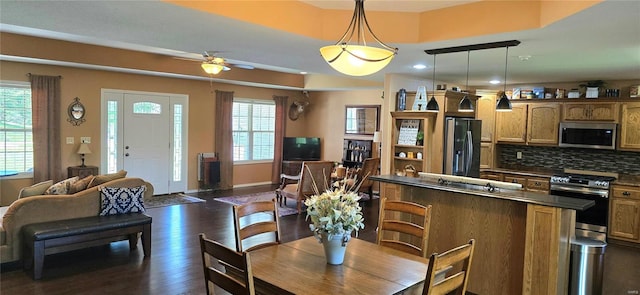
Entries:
{"x":398,"y":219}
{"x":256,"y":225}
{"x":460,"y":256}
{"x":214,"y":251}
{"x":314,"y":177}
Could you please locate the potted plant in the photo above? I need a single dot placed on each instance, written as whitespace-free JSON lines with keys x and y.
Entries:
{"x":335,"y":214}
{"x":420,"y":138}
{"x":593,"y":88}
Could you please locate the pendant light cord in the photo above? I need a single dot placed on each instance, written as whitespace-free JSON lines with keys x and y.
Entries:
{"x":467,"y":87}
{"x":433,"y":81}
{"x":506,"y":62}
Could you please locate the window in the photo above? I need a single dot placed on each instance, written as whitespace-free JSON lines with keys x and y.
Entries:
{"x":253,"y":130}
{"x":16,"y":137}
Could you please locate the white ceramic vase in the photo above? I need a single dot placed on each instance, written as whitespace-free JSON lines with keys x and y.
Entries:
{"x":334,"y":249}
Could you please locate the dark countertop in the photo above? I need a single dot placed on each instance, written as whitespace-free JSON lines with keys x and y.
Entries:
{"x":512,"y":195}
{"x":623,"y":179}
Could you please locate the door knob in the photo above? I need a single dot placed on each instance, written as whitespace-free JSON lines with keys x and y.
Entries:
{"x":126,"y":155}
{"x":126,"y":147}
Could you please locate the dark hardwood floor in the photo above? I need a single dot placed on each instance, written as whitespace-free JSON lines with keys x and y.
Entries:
{"x":175,"y":264}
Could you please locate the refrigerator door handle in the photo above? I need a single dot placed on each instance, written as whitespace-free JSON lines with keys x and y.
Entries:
{"x":469,"y":153}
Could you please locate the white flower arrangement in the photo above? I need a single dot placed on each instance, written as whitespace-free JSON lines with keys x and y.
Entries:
{"x":335,"y":212}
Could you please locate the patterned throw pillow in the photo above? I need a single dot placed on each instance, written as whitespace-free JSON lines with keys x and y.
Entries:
{"x":35,"y":190}
{"x":121,"y":200}
{"x":61,"y":187}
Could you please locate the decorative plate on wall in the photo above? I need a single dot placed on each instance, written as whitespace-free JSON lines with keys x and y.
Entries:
{"x":76,"y":112}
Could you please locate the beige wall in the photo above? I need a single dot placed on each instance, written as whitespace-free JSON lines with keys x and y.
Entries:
{"x":326,"y":118}
{"x":87,"y":84}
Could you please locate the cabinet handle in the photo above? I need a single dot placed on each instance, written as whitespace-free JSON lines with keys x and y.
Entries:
{"x":537,"y":183}
{"x":626,"y":194}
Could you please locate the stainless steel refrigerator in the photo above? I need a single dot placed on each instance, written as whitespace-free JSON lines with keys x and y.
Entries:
{"x":462,"y":146}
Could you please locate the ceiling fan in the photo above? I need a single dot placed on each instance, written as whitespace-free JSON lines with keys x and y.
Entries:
{"x":213,"y":63}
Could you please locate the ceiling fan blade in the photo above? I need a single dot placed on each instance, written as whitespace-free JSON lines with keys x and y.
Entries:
{"x":243,"y":66}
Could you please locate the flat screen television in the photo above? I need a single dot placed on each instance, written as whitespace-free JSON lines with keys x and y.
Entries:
{"x":301,"y":149}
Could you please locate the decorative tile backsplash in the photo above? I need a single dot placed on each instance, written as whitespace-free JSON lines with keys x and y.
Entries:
{"x":573,"y":158}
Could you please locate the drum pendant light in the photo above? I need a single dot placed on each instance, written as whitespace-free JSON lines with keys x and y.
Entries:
{"x":504,"y":104}
{"x":465,"y":103}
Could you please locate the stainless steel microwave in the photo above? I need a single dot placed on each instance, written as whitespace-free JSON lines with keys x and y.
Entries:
{"x":588,"y":135}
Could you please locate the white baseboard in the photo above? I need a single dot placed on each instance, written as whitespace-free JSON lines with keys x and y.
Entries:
{"x":252,"y":184}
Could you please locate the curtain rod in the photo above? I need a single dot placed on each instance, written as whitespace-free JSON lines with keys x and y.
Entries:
{"x":29,"y":75}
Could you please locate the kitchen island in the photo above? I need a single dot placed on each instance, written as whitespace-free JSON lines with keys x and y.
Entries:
{"x":522,"y":238}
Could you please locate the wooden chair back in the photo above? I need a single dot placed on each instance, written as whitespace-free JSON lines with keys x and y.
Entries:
{"x":253,"y":219}
{"x":406,"y":221}
{"x":369,"y":168}
{"x":214,"y":251}
{"x":318,"y":172}
{"x":452,"y":282}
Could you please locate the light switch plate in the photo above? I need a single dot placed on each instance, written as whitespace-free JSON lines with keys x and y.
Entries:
{"x":85,"y":139}
{"x":519,"y":155}
{"x":69,"y":140}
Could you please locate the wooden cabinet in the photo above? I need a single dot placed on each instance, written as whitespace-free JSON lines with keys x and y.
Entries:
{"x":529,"y":183}
{"x":491,"y":176}
{"x":403,"y":155}
{"x":487,"y":113}
{"x":354,"y":152}
{"x":81,"y":171}
{"x":630,"y":126}
{"x":542,"y":123}
{"x":511,"y":127}
{"x":486,"y":155}
{"x":605,"y":111}
{"x":624,"y":217}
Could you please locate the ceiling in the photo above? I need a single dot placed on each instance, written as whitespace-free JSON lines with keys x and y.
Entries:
{"x":598,"y":43}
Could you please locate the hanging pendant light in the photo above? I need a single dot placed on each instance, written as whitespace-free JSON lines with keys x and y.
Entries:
{"x":358,"y":59}
{"x":465,"y":103}
{"x":504,"y":104}
{"x":432,"y":105}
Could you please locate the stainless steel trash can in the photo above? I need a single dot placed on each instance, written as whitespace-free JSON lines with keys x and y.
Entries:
{"x":587,"y":263}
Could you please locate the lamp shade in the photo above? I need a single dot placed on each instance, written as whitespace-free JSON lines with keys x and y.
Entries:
{"x":356,"y":60}
{"x":377,"y":136}
{"x":465,"y":105}
{"x":432,"y":105}
{"x":211,"y":68}
{"x":83,"y":149}
{"x":504,"y":104}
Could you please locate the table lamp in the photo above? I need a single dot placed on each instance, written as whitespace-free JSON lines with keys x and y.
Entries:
{"x":82,"y":150}
{"x":377,"y":138}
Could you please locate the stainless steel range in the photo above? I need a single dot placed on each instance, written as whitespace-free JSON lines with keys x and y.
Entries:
{"x":592,"y":222}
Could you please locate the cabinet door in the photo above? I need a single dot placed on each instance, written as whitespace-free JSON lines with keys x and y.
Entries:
{"x":603,"y":112}
{"x":538,"y":184}
{"x":543,"y":120}
{"x":575,"y":112}
{"x":630,"y":126}
{"x":486,"y":155}
{"x":491,"y":176}
{"x":512,"y":126}
{"x":516,"y":179}
{"x":625,"y":218}
{"x":487,"y":113}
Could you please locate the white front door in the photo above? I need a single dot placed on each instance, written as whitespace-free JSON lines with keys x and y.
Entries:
{"x":146,"y":135}
{"x":146,"y":139}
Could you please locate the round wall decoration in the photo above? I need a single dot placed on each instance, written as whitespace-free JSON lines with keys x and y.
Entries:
{"x":76,"y":112}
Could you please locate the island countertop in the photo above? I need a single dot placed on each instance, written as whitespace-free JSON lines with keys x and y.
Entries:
{"x":513,"y":195}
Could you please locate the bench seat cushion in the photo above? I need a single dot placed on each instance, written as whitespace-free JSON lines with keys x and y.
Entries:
{"x":78,"y":226}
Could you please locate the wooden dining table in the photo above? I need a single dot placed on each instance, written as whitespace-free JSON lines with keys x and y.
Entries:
{"x":300,"y":267}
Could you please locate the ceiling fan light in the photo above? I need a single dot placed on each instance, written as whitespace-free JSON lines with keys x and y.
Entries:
{"x":504,"y":104}
{"x":212,"y":68}
{"x":432,"y":105}
{"x":356,"y":60}
{"x":465,"y":105}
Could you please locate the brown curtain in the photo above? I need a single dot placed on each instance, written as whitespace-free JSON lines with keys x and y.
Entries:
{"x":224,"y":137}
{"x":45,"y":106}
{"x":281,"y":120}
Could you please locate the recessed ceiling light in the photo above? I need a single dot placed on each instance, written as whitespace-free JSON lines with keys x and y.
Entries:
{"x":303,"y":73}
{"x":494,"y":82}
{"x":419,"y":67}
{"x":524,"y":57}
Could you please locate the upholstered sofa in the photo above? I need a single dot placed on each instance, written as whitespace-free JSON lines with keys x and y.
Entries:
{"x":44,"y":208}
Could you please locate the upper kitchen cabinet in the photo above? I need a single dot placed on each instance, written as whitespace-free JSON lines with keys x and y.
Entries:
{"x":595,"y":111}
{"x":542,"y":123}
{"x":511,"y":127}
{"x":486,"y":112}
{"x":630,"y":126}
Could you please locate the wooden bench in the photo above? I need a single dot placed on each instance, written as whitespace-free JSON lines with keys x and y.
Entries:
{"x":52,"y":237}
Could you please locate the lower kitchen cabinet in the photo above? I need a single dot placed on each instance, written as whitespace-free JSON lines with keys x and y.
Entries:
{"x":624,"y":218}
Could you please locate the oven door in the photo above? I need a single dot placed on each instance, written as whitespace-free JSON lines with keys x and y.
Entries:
{"x":593,"y":221}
